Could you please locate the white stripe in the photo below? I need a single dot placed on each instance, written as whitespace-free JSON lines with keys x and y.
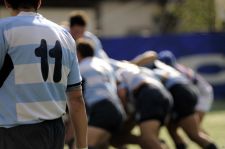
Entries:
{"x":94,"y":80}
{"x":31,"y":73}
{"x":40,"y":110}
{"x":34,"y":34}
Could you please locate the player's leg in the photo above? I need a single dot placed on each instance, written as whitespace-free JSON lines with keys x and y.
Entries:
{"x":185,"y":99}
{"x":173,"y":132}
{"x":124,"y":136}
{"x":184,"y":103}
{"x":104,"y":120}
{"x":194,"y":132}
{"x":97,"y":136}
{"x":149,"y":134}
{"x":152,"y":105}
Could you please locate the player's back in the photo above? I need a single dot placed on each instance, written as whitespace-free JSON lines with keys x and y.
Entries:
{"x":168,"y":74}
{"x":40,"y":54}
{"x":100,"y":82}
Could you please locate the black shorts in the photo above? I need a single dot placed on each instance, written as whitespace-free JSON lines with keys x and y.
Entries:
{"x":45,"y":135}
{"x":152,"y":103}
{"x":185,"y":99}
{"x":105,"y":115}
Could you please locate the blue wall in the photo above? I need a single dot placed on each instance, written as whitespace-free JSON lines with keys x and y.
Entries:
{"x":204,"y":52}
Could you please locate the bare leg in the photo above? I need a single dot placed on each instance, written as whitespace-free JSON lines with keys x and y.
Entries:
{"x":201,"y":116}
{"x":178,"y":141}
{"x":149,"y":134}
{"x":191,"y":128}
{"x":125,"y":137}
{"x":97,"y":136}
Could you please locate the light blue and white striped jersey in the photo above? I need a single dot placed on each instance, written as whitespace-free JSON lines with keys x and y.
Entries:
{"x":172,"y":75}
{"x":43,"y":64}
{"x":99,"y":80}
{"x":99,"y":52}
{"x":133,"y":76}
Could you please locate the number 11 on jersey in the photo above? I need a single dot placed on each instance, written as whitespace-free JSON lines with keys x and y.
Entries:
{"x":55,"y":52}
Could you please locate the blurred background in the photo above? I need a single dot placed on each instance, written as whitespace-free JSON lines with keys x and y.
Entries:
{"x":116,"y":18}
{"x":194,"y":30}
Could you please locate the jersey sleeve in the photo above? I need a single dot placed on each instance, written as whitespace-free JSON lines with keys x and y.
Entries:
{"x":74,"y":77}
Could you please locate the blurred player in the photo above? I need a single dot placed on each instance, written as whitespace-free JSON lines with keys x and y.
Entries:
{"x":78,"y":29}
{"x":38,"y":67}
{"x":205,"y":98}
{"x":185,"y":99}
{"x":105,"y":110}
{"x":205,"y":91}
{"x":151,"y":101}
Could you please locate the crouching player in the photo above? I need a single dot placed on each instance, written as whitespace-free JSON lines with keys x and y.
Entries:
{"x":205,"y":91}
{"x":105,"y":110}
{"x":185,"y":99}
{"x":151,"y":101}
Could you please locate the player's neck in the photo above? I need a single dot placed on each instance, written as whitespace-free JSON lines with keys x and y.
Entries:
{"x":16,"y":12}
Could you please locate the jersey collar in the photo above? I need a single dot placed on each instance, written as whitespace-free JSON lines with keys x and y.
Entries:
{"x":23,"y":13}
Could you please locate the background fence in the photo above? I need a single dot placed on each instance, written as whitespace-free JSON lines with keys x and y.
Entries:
{"x":203,"y":52}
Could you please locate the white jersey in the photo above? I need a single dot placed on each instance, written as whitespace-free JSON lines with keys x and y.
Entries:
{"x":37,"y":64}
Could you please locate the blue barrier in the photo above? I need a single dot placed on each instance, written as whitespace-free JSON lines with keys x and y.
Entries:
{"x":203,"y":52}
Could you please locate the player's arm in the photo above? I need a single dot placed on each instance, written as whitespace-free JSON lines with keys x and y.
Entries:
{"x":78,"y":115}
{"x":122,"y":93}
{"x":145,"y":58}
{"x":121,"y":89}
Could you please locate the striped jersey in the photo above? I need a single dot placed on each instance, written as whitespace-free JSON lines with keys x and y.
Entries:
{"x":37,"y":64}
{"x":132,"y":76}
{"x":99,"y":81}
{"x":169,"y":75}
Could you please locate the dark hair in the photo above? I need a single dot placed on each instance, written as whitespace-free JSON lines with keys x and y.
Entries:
{"x":78,"y":18}
{"x":85,"y":48}
{"x":26,"y":4}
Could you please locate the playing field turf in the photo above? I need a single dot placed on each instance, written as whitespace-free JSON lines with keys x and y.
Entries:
{"x":214,"y":124}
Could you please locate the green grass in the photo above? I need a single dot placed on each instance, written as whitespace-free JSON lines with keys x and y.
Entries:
{"x":214,"y":124}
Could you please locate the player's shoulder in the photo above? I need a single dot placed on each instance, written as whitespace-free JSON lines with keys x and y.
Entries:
{"x":60,"y":29}
{"x":88,"y":34}
{"x":99,"y":61}
{"x":7,"y":22}
{"x":55,"y":25}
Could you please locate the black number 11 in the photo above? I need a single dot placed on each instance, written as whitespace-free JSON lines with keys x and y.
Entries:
{"x":56,"y":53}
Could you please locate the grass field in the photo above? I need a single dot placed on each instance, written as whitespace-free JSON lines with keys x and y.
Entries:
{"x":214,"y":124}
